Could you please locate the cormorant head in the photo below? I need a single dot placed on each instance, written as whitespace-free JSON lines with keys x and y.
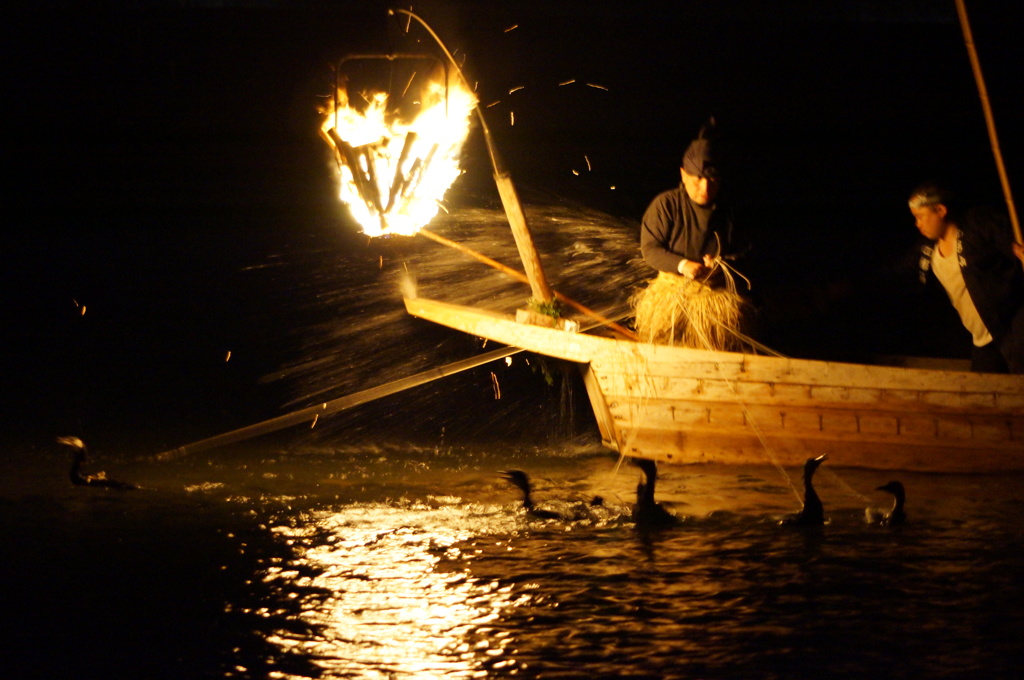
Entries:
{"x":75,"y":443}
{"x":519,"y":478}
{"x":812,"y":464}
{"x":895,"y":488}
{"x":649,"y":467}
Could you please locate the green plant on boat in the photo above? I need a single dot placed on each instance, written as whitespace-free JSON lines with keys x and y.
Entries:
{"x":546,"y":307}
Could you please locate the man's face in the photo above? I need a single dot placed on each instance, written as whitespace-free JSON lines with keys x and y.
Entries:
{"x":701,"y":190}
{"x":930,"y":220}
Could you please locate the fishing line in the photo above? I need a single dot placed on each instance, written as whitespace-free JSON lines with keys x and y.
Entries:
{"x":846,"y":487}
{"x":748,"y":418}
{"x":832,"y":475}
{"x":760,"y":436}
{"x":727,"y":271}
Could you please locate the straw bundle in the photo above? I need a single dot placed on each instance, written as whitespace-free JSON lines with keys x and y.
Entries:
{"x":675,"y":310}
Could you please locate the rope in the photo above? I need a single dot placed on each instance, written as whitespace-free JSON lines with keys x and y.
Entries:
{"x":833,"y":476}
{"x":846,"y":487}
{"x":728,"y":271}
{"x":706,"y":341}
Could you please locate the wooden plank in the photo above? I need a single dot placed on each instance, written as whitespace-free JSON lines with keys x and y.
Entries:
{"x":504,"y":329}
{"x":878,"y":424}
{"x":806,"y":396}
{"x":611,"y":356}
{"x":743,"y":448}
{"x":725,"y":418}
{"x":660,"y":360}
{"x":599,"y":404}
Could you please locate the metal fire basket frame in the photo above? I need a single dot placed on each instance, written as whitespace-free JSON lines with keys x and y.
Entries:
{"x":359,"y":159}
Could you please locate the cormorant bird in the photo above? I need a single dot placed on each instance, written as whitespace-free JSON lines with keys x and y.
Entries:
{"x":98,"y":479}
{"x":521,"y":480}
{"x":896,"y":515}
{"x":813,"y":512}
{"x":647,"y":512}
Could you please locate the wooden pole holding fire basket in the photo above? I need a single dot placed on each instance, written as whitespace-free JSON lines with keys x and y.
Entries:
{"x":506,"y":190}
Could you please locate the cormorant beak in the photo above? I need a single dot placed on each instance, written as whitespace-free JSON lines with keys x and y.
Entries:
{"x":821,"y":459}
{"x":514,"y":476}
{"x":517,"y":478}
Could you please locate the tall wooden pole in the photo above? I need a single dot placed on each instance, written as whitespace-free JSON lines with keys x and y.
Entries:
{"x":507,"y":191}
{"x":989,"y":121}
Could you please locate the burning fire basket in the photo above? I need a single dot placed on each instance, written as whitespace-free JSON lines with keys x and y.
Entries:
{"x":385,"y":151}
{"x":390,"y":193}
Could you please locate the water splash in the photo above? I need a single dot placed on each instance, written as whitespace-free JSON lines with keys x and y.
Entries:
{"x":350,"y":330}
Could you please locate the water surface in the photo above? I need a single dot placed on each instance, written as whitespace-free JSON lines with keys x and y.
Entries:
{"x":302,"y":562}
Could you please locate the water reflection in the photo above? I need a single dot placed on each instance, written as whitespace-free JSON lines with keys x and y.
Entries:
{"x":376,"y":585}
{"x":281,"y":571}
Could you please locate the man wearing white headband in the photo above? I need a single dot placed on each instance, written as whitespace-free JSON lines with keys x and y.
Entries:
{"x":973,"y":255}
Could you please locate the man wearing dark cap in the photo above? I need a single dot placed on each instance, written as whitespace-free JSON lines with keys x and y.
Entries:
{"x":685,"y":234}
{"x":684,"y":229}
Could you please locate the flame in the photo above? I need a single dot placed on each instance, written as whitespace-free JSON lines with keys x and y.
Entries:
{"x":396,"y":169}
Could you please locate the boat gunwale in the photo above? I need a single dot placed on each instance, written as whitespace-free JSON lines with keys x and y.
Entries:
{"x":928,"y":437}
{"x":602,"y":352}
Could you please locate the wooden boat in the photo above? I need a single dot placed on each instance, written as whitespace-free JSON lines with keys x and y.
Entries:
{"x":681,"y":405}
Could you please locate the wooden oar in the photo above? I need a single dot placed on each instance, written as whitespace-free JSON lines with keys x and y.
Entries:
{"x":312,"y":413}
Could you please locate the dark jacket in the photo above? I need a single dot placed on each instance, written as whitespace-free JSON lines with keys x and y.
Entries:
{"x":674,"y":228}
{"x":992,"y":273}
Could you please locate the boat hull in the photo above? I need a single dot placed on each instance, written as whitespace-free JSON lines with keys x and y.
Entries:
{"x":682,"y":405}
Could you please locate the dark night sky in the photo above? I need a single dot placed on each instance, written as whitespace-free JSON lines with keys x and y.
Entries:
{"x":125,"y":117}
{"x":843,"y":107}
{"x":840,"y":104}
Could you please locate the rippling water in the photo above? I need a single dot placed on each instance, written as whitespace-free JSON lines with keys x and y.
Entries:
{"x":305,"y":562}
{"x":175,"y":270}
{"x":383,"y":543}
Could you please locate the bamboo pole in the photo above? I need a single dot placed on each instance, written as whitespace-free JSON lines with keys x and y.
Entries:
{"x":519,"y":276}
{"x":509,"y":197}
{"x":989,"y":120}
{"x":523,"y":238}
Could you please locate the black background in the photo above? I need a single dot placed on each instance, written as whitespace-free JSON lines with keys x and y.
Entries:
{"x":131,"y":127}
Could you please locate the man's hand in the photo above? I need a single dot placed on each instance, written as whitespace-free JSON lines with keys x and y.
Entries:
{"x":692,"y":270}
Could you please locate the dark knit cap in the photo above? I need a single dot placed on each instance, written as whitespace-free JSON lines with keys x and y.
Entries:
{"x":701,"y":157}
